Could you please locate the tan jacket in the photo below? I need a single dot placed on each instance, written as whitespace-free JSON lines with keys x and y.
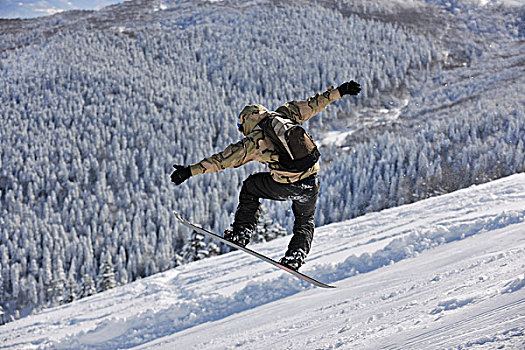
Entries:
{"x":255,"y":147}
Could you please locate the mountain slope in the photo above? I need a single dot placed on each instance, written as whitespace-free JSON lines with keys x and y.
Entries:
{"x":445,"y":298}
{"x":444,"y":272}
{"x":98,"y":105}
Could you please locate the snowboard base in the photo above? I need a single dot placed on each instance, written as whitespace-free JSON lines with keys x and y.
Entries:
{"x":251,"y":252}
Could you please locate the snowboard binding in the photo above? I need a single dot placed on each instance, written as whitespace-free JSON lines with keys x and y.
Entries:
{"x":241,"y":238}
{"x":294,"y":259}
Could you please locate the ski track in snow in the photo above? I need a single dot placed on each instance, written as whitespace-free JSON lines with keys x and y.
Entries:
{"x":447,"y":272}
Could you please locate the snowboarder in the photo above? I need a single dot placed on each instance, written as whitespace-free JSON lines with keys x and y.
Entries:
{"x":278,"y":140}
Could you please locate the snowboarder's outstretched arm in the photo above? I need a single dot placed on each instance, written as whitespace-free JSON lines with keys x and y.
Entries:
{"x":235,"y":155}
{"x":301,"y":111}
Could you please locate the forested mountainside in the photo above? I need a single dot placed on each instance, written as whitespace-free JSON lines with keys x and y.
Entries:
{"x":97,"y":105}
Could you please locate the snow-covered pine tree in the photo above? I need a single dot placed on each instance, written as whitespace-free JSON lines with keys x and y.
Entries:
{"x":3,"y":316}
{"x":88,"y":286}
{"x":70,"y":293}
{"x":195,"y":248}
{"x":58,"y":285}
{"x":106,"y":278}
{"x":2,"y":289}
{"x":263,"y":225}
{"x":177,"y":260}
{"x":275,"y":231}
{"x":213,"y":249}
{"x":266,"y":229}
{"x":32,"y":291}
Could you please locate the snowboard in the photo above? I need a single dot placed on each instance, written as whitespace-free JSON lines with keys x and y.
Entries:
{"x":251,"y":252}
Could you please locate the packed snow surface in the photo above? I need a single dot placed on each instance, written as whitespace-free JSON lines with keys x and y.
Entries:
{"x":446,"y":272}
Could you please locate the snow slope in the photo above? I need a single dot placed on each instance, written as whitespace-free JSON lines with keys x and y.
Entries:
{"x":447,"y":272}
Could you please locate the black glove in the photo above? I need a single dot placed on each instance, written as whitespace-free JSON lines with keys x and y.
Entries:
{"x":349,"y":88}
{"x":181,"y":174}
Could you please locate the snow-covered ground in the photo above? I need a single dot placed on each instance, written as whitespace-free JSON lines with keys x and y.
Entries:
{"x":447,"y":272}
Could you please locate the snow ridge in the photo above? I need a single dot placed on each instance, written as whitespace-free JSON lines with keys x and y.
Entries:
{"x":420,"y":240}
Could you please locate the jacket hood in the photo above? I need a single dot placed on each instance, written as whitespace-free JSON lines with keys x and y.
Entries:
{"x":250,"y":116}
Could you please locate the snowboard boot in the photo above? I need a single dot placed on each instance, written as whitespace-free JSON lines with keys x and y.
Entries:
{"x":241,"y":238}
{"x":293,"y":259}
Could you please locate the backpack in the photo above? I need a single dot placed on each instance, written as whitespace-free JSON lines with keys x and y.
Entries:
{"x":297,"y":149}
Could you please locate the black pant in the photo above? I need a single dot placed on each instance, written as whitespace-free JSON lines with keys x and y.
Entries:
{"x":303,"y":195}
